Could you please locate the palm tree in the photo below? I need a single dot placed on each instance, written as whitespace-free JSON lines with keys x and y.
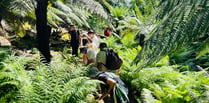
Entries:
{"x":181,"y":23}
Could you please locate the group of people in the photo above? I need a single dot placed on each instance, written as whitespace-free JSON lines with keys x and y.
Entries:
{"x":97,"y":61}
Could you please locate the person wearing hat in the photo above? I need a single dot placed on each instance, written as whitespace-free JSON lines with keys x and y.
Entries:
{"x":75,"y":39}
{"x":107,"y":87}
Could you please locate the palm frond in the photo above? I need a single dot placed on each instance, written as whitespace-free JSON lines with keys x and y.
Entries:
{"x":22,"y":7}
{"x":183,"y":24}
{"x":91,"y":5}
{"x":55,"y":16}
{"x":119,"y":12}
{"x":67,"y":13}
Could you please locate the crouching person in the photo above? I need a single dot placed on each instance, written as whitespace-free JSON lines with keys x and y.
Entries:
{"x":107,"y":60}
{"x":113,"y":89}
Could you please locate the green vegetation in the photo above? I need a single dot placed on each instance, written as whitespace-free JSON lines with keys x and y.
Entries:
{"x":169,"y":65}
{"x":25,"y":79}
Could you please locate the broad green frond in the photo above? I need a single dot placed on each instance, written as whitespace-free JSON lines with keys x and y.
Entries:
{"x":183,"y":24}
{"x":91,"y":5}
{"x":22,"y":6}
{"x":61,"y":13}
{"x":119,"y":12}
{"x":94,"y":7}
{"x":54,"y":16}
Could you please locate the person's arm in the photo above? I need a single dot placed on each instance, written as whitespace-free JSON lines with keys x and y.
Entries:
{"x":85,"y":61}
{"x":111,"y":84}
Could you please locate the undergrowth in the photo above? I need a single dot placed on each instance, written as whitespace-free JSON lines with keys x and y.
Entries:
{"x":161,"y":83}
{"x":60,"y":83}
{"x":26,"y":79}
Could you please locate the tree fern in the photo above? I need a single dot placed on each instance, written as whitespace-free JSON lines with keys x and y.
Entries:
{"x":184,"y":23}
{"x":91,"y":5}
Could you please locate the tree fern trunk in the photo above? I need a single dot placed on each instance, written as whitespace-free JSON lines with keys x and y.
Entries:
{"x":43,"y":31}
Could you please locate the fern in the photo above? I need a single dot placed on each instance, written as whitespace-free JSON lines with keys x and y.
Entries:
{"x":183,"y":24}
{"x":147,"y":96}
{"x":168,"y":85}
{"x":63,"y":82}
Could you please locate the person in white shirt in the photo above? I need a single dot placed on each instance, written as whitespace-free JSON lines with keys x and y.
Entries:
{"x":94,"y":40}
{"x":90,"y":50}
{"x":89,"y":55}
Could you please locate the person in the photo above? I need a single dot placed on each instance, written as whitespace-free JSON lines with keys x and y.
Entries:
{"x":94,"y":41}
{"x":75,"y":39}
{"x":89,"y":55}
{"x":101,"y":59}
{"x":109,"y":89}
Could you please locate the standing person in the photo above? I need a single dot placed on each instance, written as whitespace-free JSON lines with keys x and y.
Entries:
{"x":94,"y":40}
{"x":113,"y":89}
{"x":75,"y":39}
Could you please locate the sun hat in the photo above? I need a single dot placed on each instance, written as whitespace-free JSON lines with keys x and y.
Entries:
{"x":93,"y":72}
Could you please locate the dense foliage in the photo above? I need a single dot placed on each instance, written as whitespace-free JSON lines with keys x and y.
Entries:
{"x":163,"y":44}
{"x":26,"y":79}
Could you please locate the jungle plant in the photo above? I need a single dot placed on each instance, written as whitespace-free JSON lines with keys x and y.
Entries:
{"x":183,"y":22}
{"x":60,"y":82}
{"x":167,"y":85}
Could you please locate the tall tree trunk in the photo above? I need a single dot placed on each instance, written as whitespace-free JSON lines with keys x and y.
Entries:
{"x":43,"y":31}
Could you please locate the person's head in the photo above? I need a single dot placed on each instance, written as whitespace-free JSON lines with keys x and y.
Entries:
{"x":93,"y":72}
{"x":102,"y":45}
{"x":91,"y":34}
{"x":83,"y":50}
{"x":72,"y":27}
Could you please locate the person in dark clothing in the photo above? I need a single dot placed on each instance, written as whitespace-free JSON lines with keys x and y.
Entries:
{"x":75,"y":39}
{"x":112,"y":84}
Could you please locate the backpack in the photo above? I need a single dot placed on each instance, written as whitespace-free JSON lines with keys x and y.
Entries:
{"x":113,"y":61}
{"x":120,"y":91}
{"x":107,"y":32}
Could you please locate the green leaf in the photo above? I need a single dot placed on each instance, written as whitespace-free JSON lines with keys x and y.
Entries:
{"x":203,"y":49}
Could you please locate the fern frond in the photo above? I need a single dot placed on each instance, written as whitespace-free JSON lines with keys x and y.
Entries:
{"x":147,"y":96}
{"x":184,"y":24}
{"x":93,"y":6}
